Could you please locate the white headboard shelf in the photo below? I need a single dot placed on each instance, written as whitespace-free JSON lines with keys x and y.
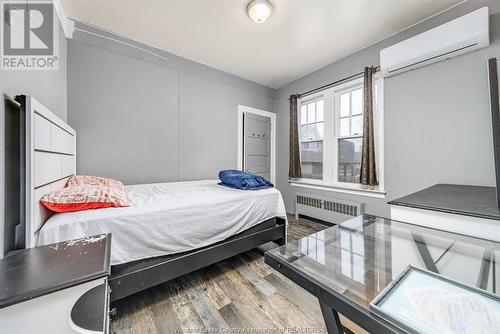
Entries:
{"x":50,"y":150}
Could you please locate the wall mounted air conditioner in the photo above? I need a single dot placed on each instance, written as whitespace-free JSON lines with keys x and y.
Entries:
{"x":464,"y":34}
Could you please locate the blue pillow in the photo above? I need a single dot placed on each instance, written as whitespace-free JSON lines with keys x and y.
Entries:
{"x":241,"y":180}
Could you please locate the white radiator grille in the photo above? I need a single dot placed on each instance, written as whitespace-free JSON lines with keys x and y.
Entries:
{"x":328,"y":209}
{"x":309,"y":201}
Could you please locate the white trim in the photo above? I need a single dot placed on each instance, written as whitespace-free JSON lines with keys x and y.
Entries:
{"x":455,"y":223}
{"x":242,"y":109}
{"x":329,"y":145}
{"x":67,"y":24}
{"x":380,"y":134}
{"x":69,"y":28}
{"x":121,"y":42}
{"x":50,"y":160}
{"x":345,"y":188}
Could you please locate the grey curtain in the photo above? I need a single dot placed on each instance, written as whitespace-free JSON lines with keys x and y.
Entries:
{"x":368,"y":168}
{"x":294,"y":170}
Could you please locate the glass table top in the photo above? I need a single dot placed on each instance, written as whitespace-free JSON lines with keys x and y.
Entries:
{"x":360,"y":257}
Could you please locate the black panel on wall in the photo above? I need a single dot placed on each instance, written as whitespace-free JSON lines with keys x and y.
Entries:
{"x":495,"y":118}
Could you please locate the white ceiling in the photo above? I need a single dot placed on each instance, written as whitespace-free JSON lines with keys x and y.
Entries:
{"x":300,"y":37}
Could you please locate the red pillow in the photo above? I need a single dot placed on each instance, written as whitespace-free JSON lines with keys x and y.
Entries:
{"x":79,"y":198}
{"x":85,"y":180}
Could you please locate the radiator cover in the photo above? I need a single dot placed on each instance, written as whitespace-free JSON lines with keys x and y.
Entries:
{"x":331,"y":210}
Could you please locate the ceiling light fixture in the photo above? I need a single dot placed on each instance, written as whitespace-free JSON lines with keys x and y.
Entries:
{"x":259,"y":10}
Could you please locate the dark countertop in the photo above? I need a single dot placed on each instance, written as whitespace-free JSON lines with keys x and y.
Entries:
{"x":34,"y":272}
{"x":464,"y":200}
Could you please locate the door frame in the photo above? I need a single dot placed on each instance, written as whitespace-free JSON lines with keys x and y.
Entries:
{"x":242,"y":109}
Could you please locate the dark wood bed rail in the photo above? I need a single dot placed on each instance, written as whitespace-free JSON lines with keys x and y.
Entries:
{"x":129,"y":278}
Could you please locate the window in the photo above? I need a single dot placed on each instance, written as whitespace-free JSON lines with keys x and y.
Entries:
{"x":331,"y":135}
{"x":350,"y":134}
{"x":311,"y":139}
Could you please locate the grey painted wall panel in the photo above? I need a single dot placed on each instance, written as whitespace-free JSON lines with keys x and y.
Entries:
{"x":49,"y":87}
{"x":437,"y":118}
{"x":208,"y":131}
{"x":440,"y":132}
{"x":147,"y":53}
{"x":142,"y":119}
{"x":125,"y":112}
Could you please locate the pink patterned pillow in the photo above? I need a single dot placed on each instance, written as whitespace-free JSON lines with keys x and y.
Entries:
{"x":79,"y":198}
{"x":84,"y":180}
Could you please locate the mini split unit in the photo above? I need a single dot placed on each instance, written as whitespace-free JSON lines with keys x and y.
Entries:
{"x":464,"y":34}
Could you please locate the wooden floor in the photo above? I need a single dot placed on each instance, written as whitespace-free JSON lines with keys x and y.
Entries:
{"x":238,"y":293}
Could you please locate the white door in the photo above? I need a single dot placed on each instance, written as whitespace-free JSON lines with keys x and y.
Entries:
{"x":257,"y":144}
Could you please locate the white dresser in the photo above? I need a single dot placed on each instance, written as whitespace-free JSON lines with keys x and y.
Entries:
{"x":468,"y":210}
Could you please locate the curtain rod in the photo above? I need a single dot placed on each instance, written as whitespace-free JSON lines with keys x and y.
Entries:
{"x":312,"y":91}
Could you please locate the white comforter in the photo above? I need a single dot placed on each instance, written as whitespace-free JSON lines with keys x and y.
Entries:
{"x":167,"y":218}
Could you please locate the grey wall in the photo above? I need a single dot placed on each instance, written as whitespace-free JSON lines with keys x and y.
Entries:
{"x":141,"y":118}
{"x":437,"y":118}
{"x":49,"y":87}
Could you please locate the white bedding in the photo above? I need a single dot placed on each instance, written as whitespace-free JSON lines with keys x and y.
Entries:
{"x":168,"y":218}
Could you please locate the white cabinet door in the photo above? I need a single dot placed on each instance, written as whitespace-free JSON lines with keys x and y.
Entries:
{"x":46,"y":314}
{"x":257,"y":145}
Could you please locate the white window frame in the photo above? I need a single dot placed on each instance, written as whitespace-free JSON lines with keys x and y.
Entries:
{"x":331,"y":135}
{"x":315,"y":99}
{"x":240,"y":141}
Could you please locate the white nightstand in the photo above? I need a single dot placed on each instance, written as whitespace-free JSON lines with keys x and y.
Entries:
{"x":58,"y":288}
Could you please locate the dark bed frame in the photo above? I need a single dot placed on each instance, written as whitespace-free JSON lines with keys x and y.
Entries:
{"x":128,"y":278}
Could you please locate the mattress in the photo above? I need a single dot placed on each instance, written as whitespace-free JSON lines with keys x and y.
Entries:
{"x":168,"y":218}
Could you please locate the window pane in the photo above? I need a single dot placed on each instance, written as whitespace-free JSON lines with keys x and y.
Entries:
{"x":344,"y":105}
{"x":303,"y":133}
{"x":311,"y":113}
{"x":319,"y":111}
{"x":319,"y":131}
{"x":344,"y":127}
{"x":357,"y":102}
{"x":357,"y":125}
{"x":303,"y":115}
{"x":311,"y":132}
{"x":349,"y":160}
{"x":312,"y":160}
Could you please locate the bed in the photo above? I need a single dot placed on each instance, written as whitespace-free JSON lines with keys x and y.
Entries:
{"x":168,"y":218}
{"x":169,"y":230}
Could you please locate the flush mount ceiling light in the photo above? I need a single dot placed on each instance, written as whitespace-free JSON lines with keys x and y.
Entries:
{"x":259,"y":10}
